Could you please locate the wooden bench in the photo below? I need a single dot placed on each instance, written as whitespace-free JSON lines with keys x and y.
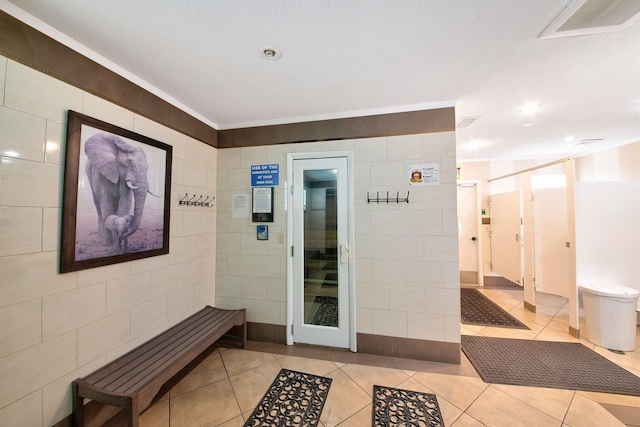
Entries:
{"x":132,"y":381}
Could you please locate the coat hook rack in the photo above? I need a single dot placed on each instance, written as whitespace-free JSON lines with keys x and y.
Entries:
{"x":388,"y":199}
{"x":206,"y":203}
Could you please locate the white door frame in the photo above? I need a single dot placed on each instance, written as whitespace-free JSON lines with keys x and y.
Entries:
{"x":351,"y":239}
{"x":479,"y":249}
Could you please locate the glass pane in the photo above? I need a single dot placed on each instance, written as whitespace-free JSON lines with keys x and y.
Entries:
{"x":320,"y":248}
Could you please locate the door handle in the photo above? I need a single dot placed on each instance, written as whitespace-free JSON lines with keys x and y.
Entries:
{"x":474,"y":238}
{"x":344,"y":253}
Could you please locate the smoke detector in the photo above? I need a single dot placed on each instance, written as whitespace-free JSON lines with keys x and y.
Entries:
{"x":270,"y":53}
{"x":593,"y":16}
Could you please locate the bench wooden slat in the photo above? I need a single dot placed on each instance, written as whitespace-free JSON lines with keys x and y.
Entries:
{"x":155,"y":349}
{"x":139,"y":351}
{"x":134,"y":379}
{"x":171,"y":363}
{"x":164,"y":352}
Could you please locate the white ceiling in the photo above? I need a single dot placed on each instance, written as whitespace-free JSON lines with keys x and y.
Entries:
{"x":342,"y":58}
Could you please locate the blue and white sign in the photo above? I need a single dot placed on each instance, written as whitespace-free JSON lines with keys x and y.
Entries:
{"x":265,"y":175}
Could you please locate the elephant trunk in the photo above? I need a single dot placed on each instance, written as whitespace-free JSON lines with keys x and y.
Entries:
{"x":139,"y":197}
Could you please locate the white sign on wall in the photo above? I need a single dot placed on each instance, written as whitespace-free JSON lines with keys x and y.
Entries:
{"x":424,"y":174}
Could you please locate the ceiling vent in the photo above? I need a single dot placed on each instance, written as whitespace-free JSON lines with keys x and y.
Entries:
{"x":589,"y":141}
{"x":593,"y":16}
{"x":465,"y":122}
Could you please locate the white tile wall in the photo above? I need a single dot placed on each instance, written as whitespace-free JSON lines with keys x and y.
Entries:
{"x":59,"y":327}
{"x":403,"y":251}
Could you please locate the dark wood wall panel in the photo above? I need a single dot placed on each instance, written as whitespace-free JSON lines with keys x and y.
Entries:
{"x":412,"y":122}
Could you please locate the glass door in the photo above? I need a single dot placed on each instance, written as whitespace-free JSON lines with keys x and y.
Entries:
{"x":321,"y":252}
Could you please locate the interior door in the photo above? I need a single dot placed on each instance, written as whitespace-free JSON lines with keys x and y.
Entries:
{"x":551,"y":261}
{"x":506,"y":236}
{"x":321,"y":252}
{"x":468,"y":233}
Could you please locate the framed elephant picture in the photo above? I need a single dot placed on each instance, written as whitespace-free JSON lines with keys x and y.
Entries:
{"x":116,"y":198}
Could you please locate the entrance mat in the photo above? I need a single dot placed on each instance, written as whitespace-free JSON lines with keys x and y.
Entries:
{"x":293,"y":399}
{"x":327,"y":314}
{"x":477,"y":309}
{"x":395,"y":407}
{"x":566,"y":365}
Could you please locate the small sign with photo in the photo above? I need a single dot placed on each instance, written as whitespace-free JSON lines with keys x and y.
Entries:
{"x":424,"y":174}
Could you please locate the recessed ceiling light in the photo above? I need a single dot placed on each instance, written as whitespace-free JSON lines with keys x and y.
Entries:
{"x":526,"y":125}
{"x":271,"y":53}
{"x":529,"y":108}
{"x":570,"y":139}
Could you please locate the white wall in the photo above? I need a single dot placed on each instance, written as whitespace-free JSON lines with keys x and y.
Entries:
{"x":56,"y":328}
{"x":407,"y":277}
{"x":608,"y":208}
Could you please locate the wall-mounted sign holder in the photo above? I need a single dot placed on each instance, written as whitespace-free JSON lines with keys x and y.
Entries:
{"x":262,"y":204}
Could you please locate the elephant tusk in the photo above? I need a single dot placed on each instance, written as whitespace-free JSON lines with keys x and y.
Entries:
{"x":131,"y":186}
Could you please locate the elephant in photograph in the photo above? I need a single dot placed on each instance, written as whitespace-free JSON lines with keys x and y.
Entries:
{"x":117,"y":173}
{"x":118,"y":225}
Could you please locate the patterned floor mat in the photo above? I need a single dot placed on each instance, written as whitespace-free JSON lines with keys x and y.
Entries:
{"x":566,"y":365}
{"x":396,"y":407}
{"x":477,"y":309}
{"x":293,"y":399}
{"x":327,"y":314}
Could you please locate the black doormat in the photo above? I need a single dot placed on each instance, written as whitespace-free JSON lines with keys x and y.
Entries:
{"x":395,"y":407}
{"x":327,"y":314}
{"x":293,"y":399}
{"x":477,"y":309}
{"x":566,"y":365}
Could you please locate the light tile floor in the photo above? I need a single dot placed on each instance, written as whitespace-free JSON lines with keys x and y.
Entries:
{"x":224,"y":388}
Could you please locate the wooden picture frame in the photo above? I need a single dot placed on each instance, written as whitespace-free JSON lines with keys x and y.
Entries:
{"x":117,"y":195}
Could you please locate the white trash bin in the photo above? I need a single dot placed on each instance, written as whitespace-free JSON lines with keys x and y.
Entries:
{"x":610,"y":315}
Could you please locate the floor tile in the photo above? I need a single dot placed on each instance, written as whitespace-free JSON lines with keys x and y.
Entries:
{"x":368,"y":376}
{"x":210,"y":370}
{"x":236,"y":361}
{"x":156,"y":416}
{"x":210,"y":405}
{"x":251,"y":385}
{"x":586,"y":412}
{"x":461,"y":391}
{"x":496,"y":408}
{"x":361,"y":418}
{"x":345,"y":399}
{"x":551,"y":401}
{"x":466,"y":421}
{"x":310,"y":366}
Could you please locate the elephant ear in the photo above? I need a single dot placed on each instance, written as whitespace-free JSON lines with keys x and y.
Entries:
{"x":102,"y":152}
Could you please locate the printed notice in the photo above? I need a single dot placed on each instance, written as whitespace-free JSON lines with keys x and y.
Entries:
{"x":262,"y":200}
{"x":425,"y":174}
{"x":240,"y":208}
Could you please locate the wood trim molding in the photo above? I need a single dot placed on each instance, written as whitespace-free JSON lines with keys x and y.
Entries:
{"x":411,"y":122}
